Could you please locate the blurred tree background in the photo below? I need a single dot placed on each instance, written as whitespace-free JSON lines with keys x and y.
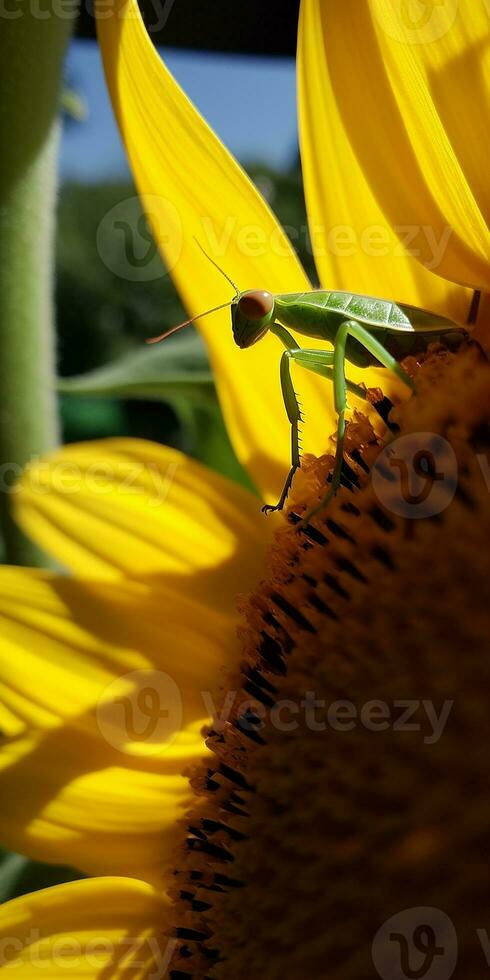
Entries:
{"x":104,"y":317}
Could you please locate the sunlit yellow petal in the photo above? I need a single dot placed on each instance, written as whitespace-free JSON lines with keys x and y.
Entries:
{"x":70,"y":799}
{"x":438,"y":68}
{"x":107,"y":686}
{"x":65,"y":642}
{"x":127,"y":507}
{"x":193,"y":188}
{"x":107,"y":927}
{"x":376,"y":158}
{"x":10,"y":724}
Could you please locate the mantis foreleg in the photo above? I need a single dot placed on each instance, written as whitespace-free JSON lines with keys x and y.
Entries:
{"x":319,"y":362}
{"x":352,"y":329}
{"x":294,"y":416}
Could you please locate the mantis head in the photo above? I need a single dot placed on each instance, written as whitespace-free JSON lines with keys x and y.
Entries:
{"x":251,"y":315}
{"x":252,"y":312}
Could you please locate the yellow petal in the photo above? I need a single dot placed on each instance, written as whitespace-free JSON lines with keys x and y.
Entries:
{"x":193,"y":188}
{"x":9,"y":723}
{"x":109,"y":686}
{"x":67,"y":801}
{"x":127,"y":507}
{"x":439,"y":74}
{"x":69,"y":649}
{"x":107,"y":927}
{"x":383,"y":176}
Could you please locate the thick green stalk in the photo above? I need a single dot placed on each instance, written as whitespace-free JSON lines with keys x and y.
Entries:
{"x":31,"y":52}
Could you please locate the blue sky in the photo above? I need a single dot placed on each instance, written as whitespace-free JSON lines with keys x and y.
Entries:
{"x":249,"y":101}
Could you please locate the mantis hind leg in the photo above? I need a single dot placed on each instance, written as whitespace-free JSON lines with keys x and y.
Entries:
{"x":351,"y":329}
{"x":319,"y":362}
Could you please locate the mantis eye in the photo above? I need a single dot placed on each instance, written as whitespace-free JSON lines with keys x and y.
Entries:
{"x":256,"y":304}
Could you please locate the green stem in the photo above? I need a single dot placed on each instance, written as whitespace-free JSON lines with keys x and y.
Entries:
{"x":31,"y":53}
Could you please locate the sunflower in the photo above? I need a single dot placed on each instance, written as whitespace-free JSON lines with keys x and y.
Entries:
{"x":382,"y":131}
{"x":276,"y":852}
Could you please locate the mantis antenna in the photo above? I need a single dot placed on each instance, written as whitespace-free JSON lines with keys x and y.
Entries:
{"x":218,"y":267}
{"x":186,"y":323}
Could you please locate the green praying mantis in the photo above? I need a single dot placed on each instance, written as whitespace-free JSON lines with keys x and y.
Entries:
{"x":362,"y":330}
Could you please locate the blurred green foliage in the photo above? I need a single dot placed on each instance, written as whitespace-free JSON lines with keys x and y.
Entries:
{"x":104,"y":318}
{"x":165,"y":394}
{"x":18,"y":875}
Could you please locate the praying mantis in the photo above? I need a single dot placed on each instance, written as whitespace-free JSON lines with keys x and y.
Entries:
{"x":363,"y":330}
